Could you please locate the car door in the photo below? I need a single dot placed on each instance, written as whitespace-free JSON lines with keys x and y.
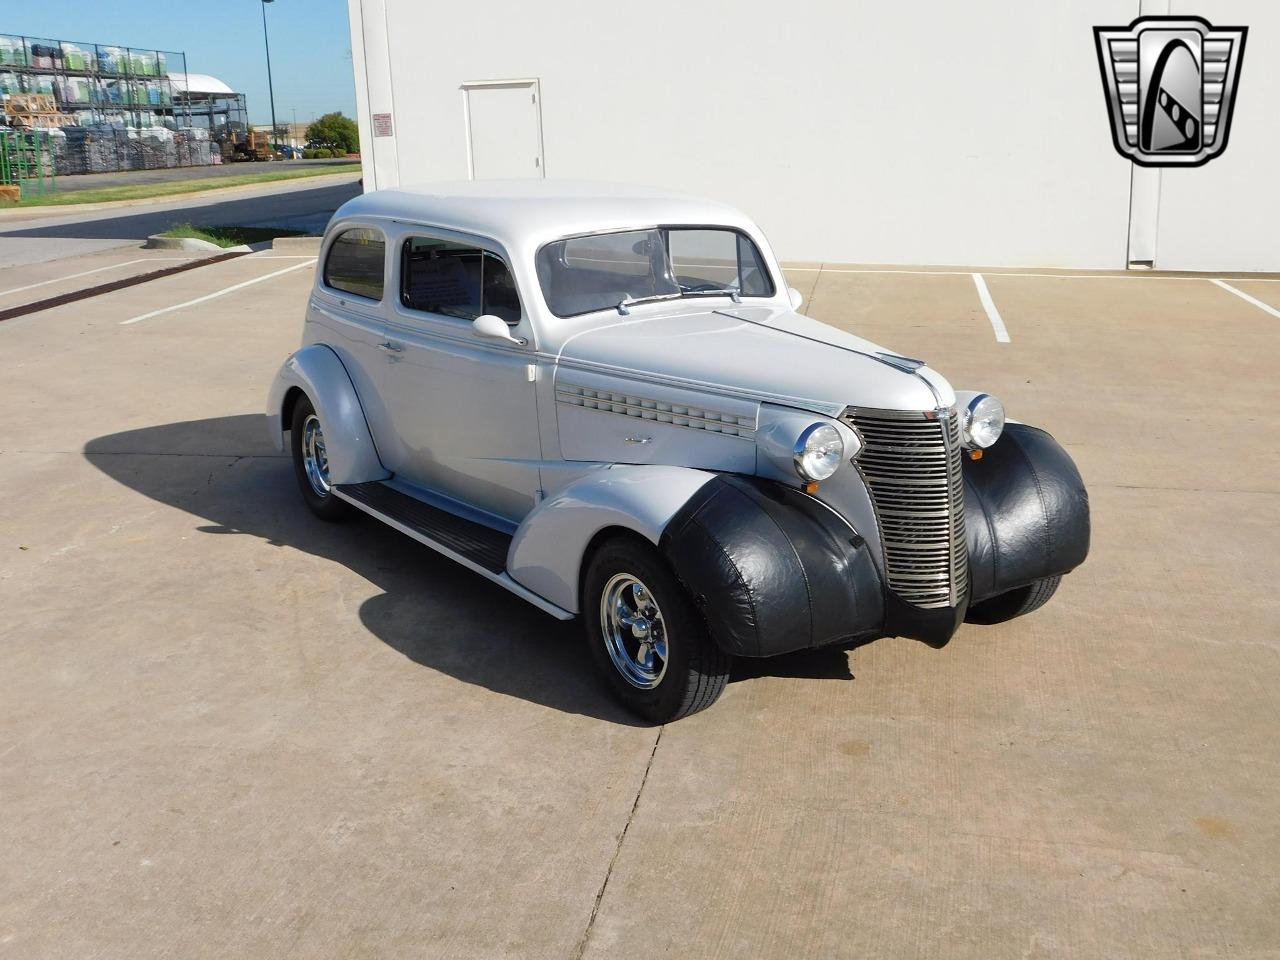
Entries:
{"x":346,"y":313}
{"x":461,"y":407}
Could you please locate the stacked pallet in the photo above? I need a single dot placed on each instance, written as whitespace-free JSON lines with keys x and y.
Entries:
{"x":34,"y":110}
{"x":20,"y":103}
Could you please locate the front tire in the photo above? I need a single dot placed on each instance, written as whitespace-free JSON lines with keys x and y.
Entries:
{"x":1015,"y":603}
{"x":311,"y":464}
{"x":646,"y":636}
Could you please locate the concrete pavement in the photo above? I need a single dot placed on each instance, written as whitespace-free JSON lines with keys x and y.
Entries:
{"x":231,"y":730}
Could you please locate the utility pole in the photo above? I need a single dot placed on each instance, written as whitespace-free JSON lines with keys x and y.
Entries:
{"x":270,"y":88}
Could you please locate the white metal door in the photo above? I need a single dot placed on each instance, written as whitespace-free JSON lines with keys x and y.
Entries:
{"x":504,"y":129}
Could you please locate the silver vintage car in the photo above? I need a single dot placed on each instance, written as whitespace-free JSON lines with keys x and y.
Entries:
{"x":603,"y":399}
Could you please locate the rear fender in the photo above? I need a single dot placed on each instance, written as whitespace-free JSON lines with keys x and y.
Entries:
{"x":548,"y":550}
{"x":317,"y":372}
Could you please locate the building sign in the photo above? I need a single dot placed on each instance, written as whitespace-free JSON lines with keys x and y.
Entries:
{"x":382,"y":125}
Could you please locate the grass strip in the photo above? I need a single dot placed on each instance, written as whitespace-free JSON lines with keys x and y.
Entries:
{"x":229,"y":236}
{"x":146,"y":191}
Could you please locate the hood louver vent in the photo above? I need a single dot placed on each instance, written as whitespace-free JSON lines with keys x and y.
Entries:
{"x":641,"y":408}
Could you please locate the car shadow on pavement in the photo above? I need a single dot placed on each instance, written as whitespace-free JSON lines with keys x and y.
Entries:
{"x":432,"y":610}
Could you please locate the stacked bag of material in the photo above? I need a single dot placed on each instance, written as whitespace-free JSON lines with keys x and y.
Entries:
{"x":90,"y":150}
{"x":72,"y":90}
{"x":73,"y":58}
{"x":112,"y":60}
{"x":12,"y":52}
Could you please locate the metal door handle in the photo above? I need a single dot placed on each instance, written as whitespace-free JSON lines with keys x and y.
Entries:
{"x":639,"y":439}
{"x":390,"y":347}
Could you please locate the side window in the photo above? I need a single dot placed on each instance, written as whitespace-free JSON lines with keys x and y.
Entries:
{"x":500,"y":296}
{"x":356,"y":263}
{"x":456,"y":280}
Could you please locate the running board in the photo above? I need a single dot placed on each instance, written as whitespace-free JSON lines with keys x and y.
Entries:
{"x":471,"y":544}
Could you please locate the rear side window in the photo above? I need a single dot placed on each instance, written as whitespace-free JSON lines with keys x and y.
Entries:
{"x":457,"y":280}
{"x":356,"y":263}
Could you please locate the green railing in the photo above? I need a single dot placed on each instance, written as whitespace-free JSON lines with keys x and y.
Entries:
{"x":26,"y":159}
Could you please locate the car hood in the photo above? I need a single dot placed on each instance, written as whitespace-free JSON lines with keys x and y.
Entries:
{"x":768,"y":353}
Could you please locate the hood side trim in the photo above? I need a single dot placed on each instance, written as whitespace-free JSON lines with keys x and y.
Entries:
{"x":889,"y":360}
{"x":822,"y":407}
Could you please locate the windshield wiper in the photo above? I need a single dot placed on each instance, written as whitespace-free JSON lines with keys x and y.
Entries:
{"x":733,"y":294}
{"x":630,"y":301}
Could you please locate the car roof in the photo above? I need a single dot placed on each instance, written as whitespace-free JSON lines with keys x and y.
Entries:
{"x":524,"y":214}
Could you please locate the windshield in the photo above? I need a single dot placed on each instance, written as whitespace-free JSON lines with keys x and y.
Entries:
{"x":607,"y":271}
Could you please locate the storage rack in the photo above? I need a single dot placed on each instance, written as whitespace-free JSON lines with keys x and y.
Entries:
{"x":93,"y":83}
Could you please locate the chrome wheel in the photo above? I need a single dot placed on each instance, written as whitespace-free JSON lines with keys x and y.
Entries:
{"x":634,"y":633}
{"x":315,"y":459}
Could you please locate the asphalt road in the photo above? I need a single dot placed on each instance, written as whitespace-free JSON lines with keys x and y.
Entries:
{"x":58,"y":232}
{"x":129,"y":178}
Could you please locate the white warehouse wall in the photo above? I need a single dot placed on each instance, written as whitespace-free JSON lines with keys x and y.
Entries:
{"x":859,"y":131}
{"x":1224,"y":215}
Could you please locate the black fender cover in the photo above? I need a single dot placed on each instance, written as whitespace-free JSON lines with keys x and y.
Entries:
{"x":771,"y":568}
{"x":1026,"y":512}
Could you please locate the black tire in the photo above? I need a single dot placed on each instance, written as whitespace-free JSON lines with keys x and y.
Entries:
{"x":696,"y":669}
{"x":1015,"y":603}
{"x":322,"y":503}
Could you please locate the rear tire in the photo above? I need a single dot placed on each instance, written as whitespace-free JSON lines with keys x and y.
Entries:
{"x":311,"y":464}
{"x":1015,"y":603}
{"x":646,"y":636}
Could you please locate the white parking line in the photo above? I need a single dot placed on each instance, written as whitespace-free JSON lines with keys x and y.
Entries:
{"x":219,"y":293}
{"x":997,"y":324}
{"x":1244,"y":296}
{"x":997,"y":273}
{"x":85,"y":273}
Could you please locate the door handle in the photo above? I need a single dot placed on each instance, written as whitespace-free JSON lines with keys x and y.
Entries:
{"x":389,"y":347}
{"x":639,"y":439}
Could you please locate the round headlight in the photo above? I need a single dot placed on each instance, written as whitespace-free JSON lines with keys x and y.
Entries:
{"x":818,"y":452}
{"x":983,"y":422}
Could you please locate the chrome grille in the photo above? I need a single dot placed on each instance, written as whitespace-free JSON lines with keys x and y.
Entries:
{"x":911,"y":463}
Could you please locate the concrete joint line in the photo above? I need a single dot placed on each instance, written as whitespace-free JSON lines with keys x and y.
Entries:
{"x":581,"y":947}
{"x":85,"y":273}
{"x":77,"y":295}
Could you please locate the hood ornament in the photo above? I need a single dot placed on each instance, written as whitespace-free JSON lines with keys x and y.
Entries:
{"x":905,"y":364}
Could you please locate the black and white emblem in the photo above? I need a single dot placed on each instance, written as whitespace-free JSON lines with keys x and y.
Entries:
{"x":1170,"y":84}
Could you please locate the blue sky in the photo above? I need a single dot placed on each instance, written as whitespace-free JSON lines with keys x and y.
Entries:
{"x":310,"y":43}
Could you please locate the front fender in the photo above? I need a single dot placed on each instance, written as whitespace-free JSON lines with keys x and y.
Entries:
{"x":772,"y":569}
{"x":317,"y":372}
{"x":547,"y":551}
{"x":1026,"y":513}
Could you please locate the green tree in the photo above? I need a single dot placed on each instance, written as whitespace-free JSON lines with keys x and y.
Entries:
{"x":335,"y":131}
